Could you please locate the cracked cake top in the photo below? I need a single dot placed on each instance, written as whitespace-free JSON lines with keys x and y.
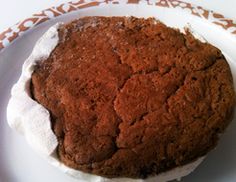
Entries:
{"x":132,"y":97}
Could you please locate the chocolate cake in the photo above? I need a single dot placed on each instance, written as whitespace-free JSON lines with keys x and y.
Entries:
{"x":131,"y":97}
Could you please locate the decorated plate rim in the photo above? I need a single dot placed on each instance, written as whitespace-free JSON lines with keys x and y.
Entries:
{"x":20,"y":28}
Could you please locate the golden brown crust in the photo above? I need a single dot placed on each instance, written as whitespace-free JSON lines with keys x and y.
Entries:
{"x":131,"y":97}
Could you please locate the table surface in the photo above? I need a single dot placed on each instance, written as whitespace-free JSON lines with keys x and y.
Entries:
{"x":12,"y":11}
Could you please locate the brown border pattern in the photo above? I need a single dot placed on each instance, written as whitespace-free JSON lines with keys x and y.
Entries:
{"x":15,"y":31}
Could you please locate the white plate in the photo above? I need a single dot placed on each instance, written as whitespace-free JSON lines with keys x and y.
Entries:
{"x":19,"y":163}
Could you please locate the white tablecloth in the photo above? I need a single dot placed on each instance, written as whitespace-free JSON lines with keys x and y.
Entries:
{"x":12,"y":11}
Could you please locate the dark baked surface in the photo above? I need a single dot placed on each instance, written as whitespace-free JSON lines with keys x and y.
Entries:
{"x":131,"y":97}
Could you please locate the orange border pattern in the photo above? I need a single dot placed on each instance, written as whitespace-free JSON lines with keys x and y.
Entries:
{"x":15,"y":31}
